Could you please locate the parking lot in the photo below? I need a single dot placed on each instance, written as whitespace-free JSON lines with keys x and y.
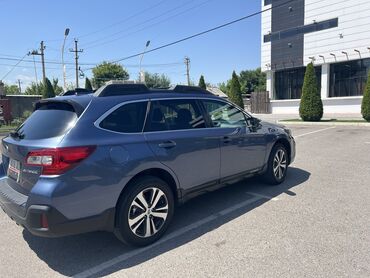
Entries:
{"x":316,"y":224}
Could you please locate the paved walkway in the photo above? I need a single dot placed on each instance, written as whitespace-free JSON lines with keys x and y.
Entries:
{"x":279,"y":117}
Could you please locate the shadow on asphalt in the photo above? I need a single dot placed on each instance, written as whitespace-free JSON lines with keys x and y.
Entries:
{"x":74,"y":254}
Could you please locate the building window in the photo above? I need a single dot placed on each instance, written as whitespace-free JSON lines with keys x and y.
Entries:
{"x":289,"y":83}
{"x":348,"y":78}
{"x":305,"y":29}
{"x":268,"y":2}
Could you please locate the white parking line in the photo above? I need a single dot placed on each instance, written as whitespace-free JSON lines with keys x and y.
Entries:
{"x":103,"y":266}
{"x":316,"y":131}
{"x":263,"y":196}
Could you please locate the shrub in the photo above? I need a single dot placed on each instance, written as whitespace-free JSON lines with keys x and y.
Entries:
{"x":310,"y":108}
{"x":365,"y":107}
{"x":235,"y":93}
{"x":202,"y":83}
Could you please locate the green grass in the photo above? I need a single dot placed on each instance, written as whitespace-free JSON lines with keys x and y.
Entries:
{"x":328,"y":121}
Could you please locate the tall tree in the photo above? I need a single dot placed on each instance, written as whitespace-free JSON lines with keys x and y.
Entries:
{"x":34,"y":89}
{"x":108,"y":71}
{"x":252,"y":81}
{"x":202,"y":83}
{"x":48,"y":90}
{"x":310,"y":108}
{"x":235,"y":93}
{"x":11,"y":89}
{"x":88,"y":85}
{"x":365,"y":106}
{"x":155,"y":80}
{"x":57,"y":89}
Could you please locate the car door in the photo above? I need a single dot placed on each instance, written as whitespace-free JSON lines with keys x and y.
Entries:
{"x":242,"y":148}
{"x":177,"y":134}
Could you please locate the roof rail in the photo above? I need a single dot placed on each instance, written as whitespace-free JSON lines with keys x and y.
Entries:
{"x":190,"y":89}
{"x":120,"y":89}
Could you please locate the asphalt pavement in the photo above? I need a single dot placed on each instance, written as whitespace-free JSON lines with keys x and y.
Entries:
{"x":316,"y":224}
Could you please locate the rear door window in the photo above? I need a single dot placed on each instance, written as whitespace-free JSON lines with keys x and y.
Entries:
{"x":49,"y":120}
{"x":129,"y":118}
{"x":174,"y":114}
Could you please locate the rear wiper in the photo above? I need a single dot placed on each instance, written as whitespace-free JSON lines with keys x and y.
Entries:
{"x":16,"y":134}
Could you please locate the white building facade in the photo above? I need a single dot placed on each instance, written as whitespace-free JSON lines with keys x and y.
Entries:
{"x":333,"y":34}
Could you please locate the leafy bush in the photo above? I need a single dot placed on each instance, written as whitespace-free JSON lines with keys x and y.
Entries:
{"x":365,"y":107}
{"x":235,"y":93}
{"x":311,"y":108}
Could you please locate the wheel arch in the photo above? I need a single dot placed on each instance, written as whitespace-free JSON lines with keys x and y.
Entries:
{"x":283,"y":141}
{"x":154,"y":172}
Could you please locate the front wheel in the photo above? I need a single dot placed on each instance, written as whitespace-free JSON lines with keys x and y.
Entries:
{"x":277,"y":165}
{"x":144,"y":214}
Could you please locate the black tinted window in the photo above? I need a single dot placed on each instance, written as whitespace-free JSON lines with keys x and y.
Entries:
{"x":128,"y":118}
{"x":174,"y":115}
{"x":49,"y":120}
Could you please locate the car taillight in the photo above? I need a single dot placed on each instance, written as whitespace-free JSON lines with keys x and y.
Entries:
{"x":58,"y":160}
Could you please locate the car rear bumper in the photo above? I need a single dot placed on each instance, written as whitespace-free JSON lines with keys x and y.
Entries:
{"x":46,"y":221}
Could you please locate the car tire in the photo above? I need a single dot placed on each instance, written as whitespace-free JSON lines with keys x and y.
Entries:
{"x":277,"y":165}
{"x":144,"y":211}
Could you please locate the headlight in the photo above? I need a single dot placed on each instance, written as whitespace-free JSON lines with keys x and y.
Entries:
{"x":288,"y":131}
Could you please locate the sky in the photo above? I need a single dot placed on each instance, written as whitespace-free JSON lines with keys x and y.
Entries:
{"x":113,"y":29}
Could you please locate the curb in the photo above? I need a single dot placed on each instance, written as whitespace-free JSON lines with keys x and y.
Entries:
{"x":324,"y":123}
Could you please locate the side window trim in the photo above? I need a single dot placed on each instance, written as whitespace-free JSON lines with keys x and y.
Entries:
{"x":114,"y":108}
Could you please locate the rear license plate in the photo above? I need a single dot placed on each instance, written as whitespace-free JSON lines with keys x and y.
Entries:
{"x":14,"y":169}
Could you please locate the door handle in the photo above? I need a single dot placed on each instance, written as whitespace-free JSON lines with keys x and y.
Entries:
{"x":167,"y":144}
{"x":226,"y":139}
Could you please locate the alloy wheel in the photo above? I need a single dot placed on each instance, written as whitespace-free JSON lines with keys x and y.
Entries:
{"x":280,"y":164}
{"x":148,"y":212}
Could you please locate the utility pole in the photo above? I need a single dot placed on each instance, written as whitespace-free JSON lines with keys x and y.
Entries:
{"x":19,"y":86}
{"x":187,"y":63}
{"x":76,"y":51}
{"x":42,"y":48}
{"x":42,"y":54}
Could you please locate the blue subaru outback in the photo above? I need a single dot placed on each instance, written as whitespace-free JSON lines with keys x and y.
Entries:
{"x":122,"y":158}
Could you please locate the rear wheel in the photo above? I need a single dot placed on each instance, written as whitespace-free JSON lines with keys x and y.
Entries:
{"x":277,"y":165}
{"x":143,"y":215}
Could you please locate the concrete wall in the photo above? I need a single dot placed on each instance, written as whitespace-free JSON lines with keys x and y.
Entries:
{"x":342,"y":105}
{"x":21,"y":103}
{"x":352,"y":33}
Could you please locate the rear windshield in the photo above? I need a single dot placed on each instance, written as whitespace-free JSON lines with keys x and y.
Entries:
{"x":49,"y":120}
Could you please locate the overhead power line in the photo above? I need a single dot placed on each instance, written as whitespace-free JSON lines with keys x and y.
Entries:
{"x":14,"y":66}
{"x":101,"y":41}
{"x":202,"y":33}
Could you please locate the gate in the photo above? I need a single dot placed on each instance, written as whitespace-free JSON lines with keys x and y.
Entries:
{"x":260,"y":102}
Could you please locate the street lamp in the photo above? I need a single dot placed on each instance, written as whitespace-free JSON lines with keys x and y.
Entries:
{"x":142,"y":74}
{"x":66,"y":32}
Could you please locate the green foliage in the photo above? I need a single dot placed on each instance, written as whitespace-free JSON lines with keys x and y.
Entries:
{"x":11,"y":89}
{"x":235,"y":94}
{"x":225,"y":86}
{"x":88,"y":85}
{"x":252,"y":81}
{"x":365,"y":107}
{"x":108,"y":71}
{"x":57,"y":89}
{"x":48,"y":90}
{"x":155,"y":80}
{"x":311,"y":108}
{"x":26,"y":114}
{"x":34,"y":89}
{"x":202,"y":83}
